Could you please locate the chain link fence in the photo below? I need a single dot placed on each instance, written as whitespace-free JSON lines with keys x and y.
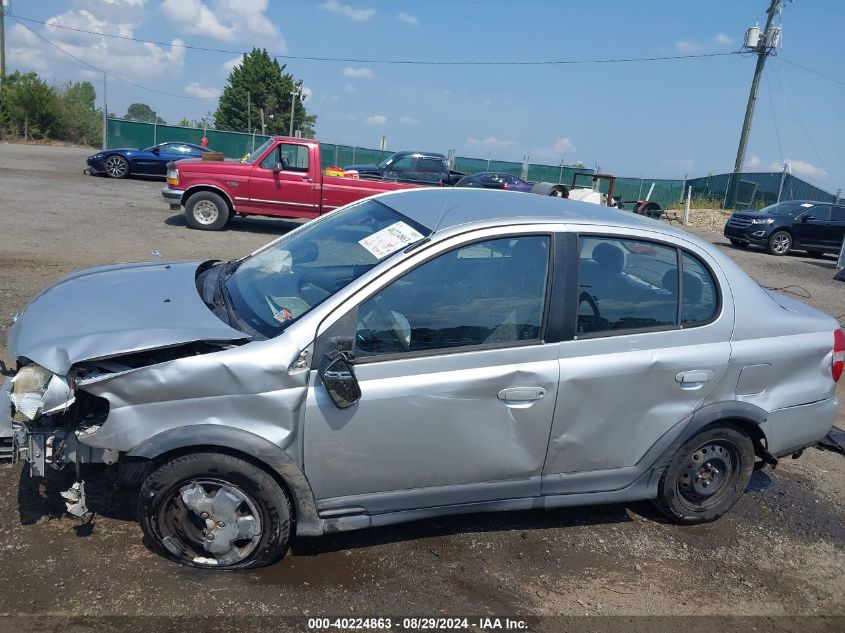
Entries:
{"x":755,"y":189}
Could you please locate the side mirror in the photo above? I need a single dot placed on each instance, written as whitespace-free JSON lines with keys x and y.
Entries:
{"x":808,"y":216}
{"x":338,"y":377}
{"x":156,"y":150}
{"x":277,"y":168}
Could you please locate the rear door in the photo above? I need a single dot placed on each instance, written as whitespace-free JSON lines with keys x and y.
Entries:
{"x":641,"y":361}
{"x":280,"y":183}
{"x":837,"y":227}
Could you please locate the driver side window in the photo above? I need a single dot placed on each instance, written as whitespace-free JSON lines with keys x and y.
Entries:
{"x":486,"y":293}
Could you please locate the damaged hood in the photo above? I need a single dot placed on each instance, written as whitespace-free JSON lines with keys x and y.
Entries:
{"x":112,"y":310}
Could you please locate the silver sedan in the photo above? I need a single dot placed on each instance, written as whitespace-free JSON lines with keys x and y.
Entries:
{"x":416,"y":354}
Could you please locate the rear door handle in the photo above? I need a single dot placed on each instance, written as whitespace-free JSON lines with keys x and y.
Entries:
{"x":521,"y":394}
{"x":694,"y":376}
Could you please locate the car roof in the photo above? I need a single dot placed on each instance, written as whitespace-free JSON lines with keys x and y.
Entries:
{"x":446,"y":207}
{"x":417,"y":154}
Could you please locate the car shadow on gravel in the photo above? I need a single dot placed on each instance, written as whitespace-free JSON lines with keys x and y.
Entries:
{"x":41,"y":498}
{"x":263,"y":226}
{"x":479,"y":523}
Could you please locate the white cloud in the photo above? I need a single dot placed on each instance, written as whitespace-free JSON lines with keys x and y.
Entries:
{"x":201,"y":92}
{"x":753,"y":162}
{"x":122,"y":57}
{"x":197,"y":19}
{"x":723,"y":40}
{"x":127,"y":3}
{"x":226,"y":20}
{"x":356,"y":15}
{"x":230,"y":65}
{"x":555,"y":151}
{"x":689,"y":48}
{"x":376,"y":119}
{"x":490,"y":141}
{"x":407,"y":18}
{"x":349,"y":89}
{"x":358,"y":73}
{"x":408,"y":120}
{"x":800,"y":168}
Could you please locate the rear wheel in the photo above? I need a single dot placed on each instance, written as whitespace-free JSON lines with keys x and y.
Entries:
{"x":779,"y":243}
{"x":559,"y":192}
{"x":206,"y":211}
{"x":739,"y":243}
{"x":116,"y":166}
{"x":707,"y":475}
{"x":216,"y":511}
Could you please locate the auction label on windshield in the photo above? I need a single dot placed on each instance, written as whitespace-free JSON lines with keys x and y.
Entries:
{"x":390,"y":239}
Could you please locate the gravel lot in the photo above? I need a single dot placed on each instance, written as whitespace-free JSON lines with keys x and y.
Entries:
{"x":781,"y":551}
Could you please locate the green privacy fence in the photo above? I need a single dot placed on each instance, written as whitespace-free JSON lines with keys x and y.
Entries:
{"x":755,"y":189}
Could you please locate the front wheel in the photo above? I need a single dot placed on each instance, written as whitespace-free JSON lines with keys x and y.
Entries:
{"x":116,"y":166}
{"x":215,"y":511}
{"x":779,"y":243}
{"x":206,"y":211}
{"x":707,"y":475}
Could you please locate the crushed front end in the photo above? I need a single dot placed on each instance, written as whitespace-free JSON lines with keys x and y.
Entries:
{"x":42,"y":418}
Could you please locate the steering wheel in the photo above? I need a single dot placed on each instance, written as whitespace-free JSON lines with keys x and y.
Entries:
{"x":586,"y":297}
{"x":388,"y":317}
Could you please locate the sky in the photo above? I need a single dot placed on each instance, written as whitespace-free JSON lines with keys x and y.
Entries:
{"x":659,"y":119}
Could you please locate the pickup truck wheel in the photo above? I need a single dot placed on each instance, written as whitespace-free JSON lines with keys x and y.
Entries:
{"x":206,"y":211}
{"x":707,"y":475}
{"x":215,"y":511}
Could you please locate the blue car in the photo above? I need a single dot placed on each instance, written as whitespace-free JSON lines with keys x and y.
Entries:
{"x":152,"y":161}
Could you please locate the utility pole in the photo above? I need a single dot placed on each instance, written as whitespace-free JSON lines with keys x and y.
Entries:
{"x":2,"y":42}
{"x":763,"y":44}
{"x":105,"y":114}
{"x":297,"y":90}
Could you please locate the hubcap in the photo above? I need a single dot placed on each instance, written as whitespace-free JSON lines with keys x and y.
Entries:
{"x":211,"y":523}
{"x":116,"y":166}
{"x":205,"y":212}
{"x":708,"y":473}
{"x":781,"y":243}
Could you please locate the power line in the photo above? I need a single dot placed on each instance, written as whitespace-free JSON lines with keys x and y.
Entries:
{"x":417,"y":62}
{"x":105,"y":72}
{"x":810,"y":70}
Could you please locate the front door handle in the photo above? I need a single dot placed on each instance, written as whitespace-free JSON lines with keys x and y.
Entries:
{"x":307,"y":179}
{"x":694,"y":376}
{"x":521,"y":394}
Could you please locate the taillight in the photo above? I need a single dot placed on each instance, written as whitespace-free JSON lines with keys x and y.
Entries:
{"x":838,"y":362}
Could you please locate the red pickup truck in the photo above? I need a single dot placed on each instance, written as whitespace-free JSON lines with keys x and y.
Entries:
{"x":283,"y":177}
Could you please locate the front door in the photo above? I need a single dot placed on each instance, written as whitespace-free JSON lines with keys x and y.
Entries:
{"x":280,"y":183}
{"x":814,"y":229}
{"x":647,"y":351}
{"x":458,"y":385}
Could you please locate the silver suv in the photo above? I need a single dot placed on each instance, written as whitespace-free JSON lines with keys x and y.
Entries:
{"x":420,"y":353}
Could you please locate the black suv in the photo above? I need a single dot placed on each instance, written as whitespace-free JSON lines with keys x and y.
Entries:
{"x":815,"y":227}
{"x":412,"y":167}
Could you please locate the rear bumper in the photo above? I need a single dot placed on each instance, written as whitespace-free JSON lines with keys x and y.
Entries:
{"x":173,"y":196}
{"x":790,"y":429}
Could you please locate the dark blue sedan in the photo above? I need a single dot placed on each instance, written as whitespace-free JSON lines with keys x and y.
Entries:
{"x":152,"y":161}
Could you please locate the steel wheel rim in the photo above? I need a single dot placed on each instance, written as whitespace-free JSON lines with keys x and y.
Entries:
{"x":711,"y":471}
{"x":210,"y":522}
{"x":205,"y":212}
{"x":781,"y":243}
{"x":557,"y":194}
{"x":116,"y":166}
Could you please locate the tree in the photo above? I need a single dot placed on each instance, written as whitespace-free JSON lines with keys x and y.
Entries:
{"x":29,"y":106}
{"x":260,"y":83}
{"x":143,"y":112}
{"x":183,"y":122}
{"x":80,"y":120}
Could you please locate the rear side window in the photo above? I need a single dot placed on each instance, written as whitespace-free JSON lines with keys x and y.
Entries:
{"x":838,"y":214}
{"x":700,"y":299}
{"x":431,"y":165}
{"x":637,"y":285}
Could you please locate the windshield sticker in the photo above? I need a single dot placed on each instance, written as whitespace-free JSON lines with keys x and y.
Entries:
{"x":806,"y":205}
{"x":390,"y":239}
{"x":283,"y":315}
